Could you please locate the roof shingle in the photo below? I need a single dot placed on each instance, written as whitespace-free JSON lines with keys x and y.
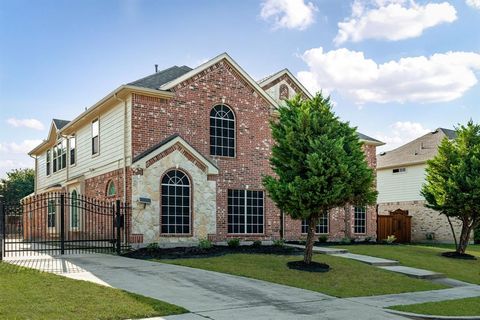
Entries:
{"x":158,"y":79}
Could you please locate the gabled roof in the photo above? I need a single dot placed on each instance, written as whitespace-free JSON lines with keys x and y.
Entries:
{"x":60,"y":123}
{"x":158,"y":79}
{"x":208,"y":64}
{"x":417,"y":151}
{"x":284,"y":72}
{"x":369,"y":140}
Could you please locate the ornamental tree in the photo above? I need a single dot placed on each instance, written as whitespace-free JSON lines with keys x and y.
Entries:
{"x":318,"y":162}
{"x":452,"y":184}
{"x":18,"y":184}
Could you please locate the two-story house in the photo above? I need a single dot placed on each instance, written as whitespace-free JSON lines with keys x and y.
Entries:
{"x":400,"y":177}
{"x":187,"y":148}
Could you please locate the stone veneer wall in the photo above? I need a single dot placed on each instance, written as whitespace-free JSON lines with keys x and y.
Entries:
{"x":424,"y":220}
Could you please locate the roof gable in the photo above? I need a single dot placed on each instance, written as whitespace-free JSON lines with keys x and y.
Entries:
{"x":284,"y":74}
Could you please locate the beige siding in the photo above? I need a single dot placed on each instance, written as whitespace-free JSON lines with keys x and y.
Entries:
{"x":404,"y":186}
{"x":274,"y":91}
{"x":111,"y":152}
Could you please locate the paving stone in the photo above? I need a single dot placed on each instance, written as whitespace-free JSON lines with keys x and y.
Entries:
{"x":324,"y":250}
{"x":374,"y":261}
{"x":414,"y":272}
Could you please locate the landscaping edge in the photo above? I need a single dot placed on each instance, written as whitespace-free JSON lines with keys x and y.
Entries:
{"x":418,"y":316}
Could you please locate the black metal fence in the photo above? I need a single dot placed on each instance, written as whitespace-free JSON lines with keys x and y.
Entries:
{"x":60,"y":223}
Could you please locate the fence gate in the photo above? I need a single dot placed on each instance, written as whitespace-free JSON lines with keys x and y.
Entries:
{"x":63,"y":223}
{"x":398,"y":223}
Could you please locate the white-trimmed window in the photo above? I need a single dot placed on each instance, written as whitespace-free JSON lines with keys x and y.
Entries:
{"x":74,"y":219}
{"x":60,"y":155}
{"x":73,"y":155}
{"x":322,"y":226}
{"x":360,"y":220}
{"x":222,"y":131}
{"x":176,"y":211}
{"x":95,"y":137}
{"x":245,"y":211}
{"x":399,"y":170}
{"x":51,"y":214}
{"x":49,"y":162}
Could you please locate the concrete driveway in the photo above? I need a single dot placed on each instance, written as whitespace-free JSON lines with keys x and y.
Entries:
{"x":206,"y":294}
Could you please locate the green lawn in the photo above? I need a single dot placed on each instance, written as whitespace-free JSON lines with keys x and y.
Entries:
{"x":30,"y":294}
{"x":347,"y":278}
{"x":460,"y":307}
{"x":426,"y":257}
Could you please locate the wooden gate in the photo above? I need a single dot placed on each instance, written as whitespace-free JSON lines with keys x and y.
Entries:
{"x":398,"y":223}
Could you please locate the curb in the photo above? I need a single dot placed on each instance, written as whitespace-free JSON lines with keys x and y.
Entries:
{"x":430,"y":317}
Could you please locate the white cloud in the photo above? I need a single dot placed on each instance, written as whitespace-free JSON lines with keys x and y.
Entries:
{"x":438,"y":78}
{"x":401,"y":133}
{"x":27,"y":123}
{"x":23,"y":147}
{"x":290,"y":14}
{"x":392,"y":19}
{"x":473,"y":3}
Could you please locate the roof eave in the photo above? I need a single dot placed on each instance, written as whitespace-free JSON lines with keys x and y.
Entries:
{"x":373,"y":143}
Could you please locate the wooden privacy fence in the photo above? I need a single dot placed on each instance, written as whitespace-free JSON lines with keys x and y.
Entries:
{"x":398,"y":223}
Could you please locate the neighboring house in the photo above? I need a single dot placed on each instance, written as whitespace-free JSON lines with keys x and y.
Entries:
{"x":188,"y":149}
{"x":400,"y":176}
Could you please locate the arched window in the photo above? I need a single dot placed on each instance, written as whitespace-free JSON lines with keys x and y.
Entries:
{"x":283,"y":92}
{"x":111,"y":192}
{"x":74,"y":210}
{"x":222,"y":131}
{"x":175,"y":216}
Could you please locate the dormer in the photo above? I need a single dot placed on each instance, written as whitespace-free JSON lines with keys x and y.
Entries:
{"x":282,"y":86}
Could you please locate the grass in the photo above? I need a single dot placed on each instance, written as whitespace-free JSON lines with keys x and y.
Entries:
{"x":426,"y":257}
{"x":347,"y":278}
{"x":34,"y":295}
{"x":458,"y":307}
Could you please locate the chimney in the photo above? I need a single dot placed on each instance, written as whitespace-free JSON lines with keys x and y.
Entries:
{"x":156,"y":68}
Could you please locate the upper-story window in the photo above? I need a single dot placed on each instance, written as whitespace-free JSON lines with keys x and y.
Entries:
{"x":49,"y":161}
{"x":399,"y":170}
{"x":73,"y":142}
{"x":60,"y":155}
{"x":95,"y":137}
{"x":222,"y":131}
{"x":283,"y":92}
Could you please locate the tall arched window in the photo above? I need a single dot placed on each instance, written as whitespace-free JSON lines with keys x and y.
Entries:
{"x":111,"y":192}
{"x":74,"y":210}
{"x":175,"y":216}
{"x":222,"y":131}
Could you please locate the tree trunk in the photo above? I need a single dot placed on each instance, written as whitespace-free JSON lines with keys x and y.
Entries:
{"x":464,"y":237}
{"x":312,"y":223}
{"x":453,"y":231}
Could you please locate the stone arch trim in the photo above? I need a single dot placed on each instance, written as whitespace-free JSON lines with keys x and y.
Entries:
{"x":177,"y":147}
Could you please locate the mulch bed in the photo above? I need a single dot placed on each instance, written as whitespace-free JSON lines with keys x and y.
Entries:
{"x":196,"y":252}
{"x":311,"y":267}
{"x":456,"y":255}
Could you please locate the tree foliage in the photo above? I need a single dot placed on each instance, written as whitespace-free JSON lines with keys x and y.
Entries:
{"x":18,"y":184}
{"x":319,"y":163}
{"x":452,"y":184}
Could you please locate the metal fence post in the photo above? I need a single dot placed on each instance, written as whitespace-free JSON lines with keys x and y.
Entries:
{"x":118,"y":224}
{"x":62,"y":223}
{"x":2,"y":228}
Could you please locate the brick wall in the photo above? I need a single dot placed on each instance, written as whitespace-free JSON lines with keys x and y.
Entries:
{"x":96,"y":187}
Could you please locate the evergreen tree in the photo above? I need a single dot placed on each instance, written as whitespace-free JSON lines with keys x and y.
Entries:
{"x":452,"y":184}
{"x":318,"y":162}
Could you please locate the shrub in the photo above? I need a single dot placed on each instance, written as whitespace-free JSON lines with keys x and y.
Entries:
{"x":257,"y":244}
{"x":323,"y":239}
{"x":391,"y":239}
{"x":279,"y":243}
{"x":205,"y":244}
{"x":367,"y":239}
{"x":346,"y":240}
{"x":152,"y":247}
{"x":233,"y":243}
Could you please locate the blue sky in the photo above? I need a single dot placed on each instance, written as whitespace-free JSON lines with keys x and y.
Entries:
{"x":394,"y":68}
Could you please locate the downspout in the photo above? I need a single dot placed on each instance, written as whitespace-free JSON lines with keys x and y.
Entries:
{"x":124,"y":145}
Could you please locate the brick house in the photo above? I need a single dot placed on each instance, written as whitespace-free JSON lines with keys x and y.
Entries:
{"x":188,"y":149}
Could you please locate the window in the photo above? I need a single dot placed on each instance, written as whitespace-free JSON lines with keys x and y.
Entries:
{"x":49,"y":159}
{"x":73,"y":143}
{"x":360,"y":220}
{"x":74,"y":210}
{"x":111,"y":192}
{"x":175,"y":217}
{"x":95,"y":137}
{"x":322,"y":226}
{"x":283,"y":92}
{"x":51,"y":214}
{"x":222,"y":131}
{"x":245,"y":211}
{"x":60,"y":155}
{"x":399,"y":170}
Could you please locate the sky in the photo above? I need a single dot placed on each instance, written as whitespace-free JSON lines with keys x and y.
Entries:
{"x":396,"y":69}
